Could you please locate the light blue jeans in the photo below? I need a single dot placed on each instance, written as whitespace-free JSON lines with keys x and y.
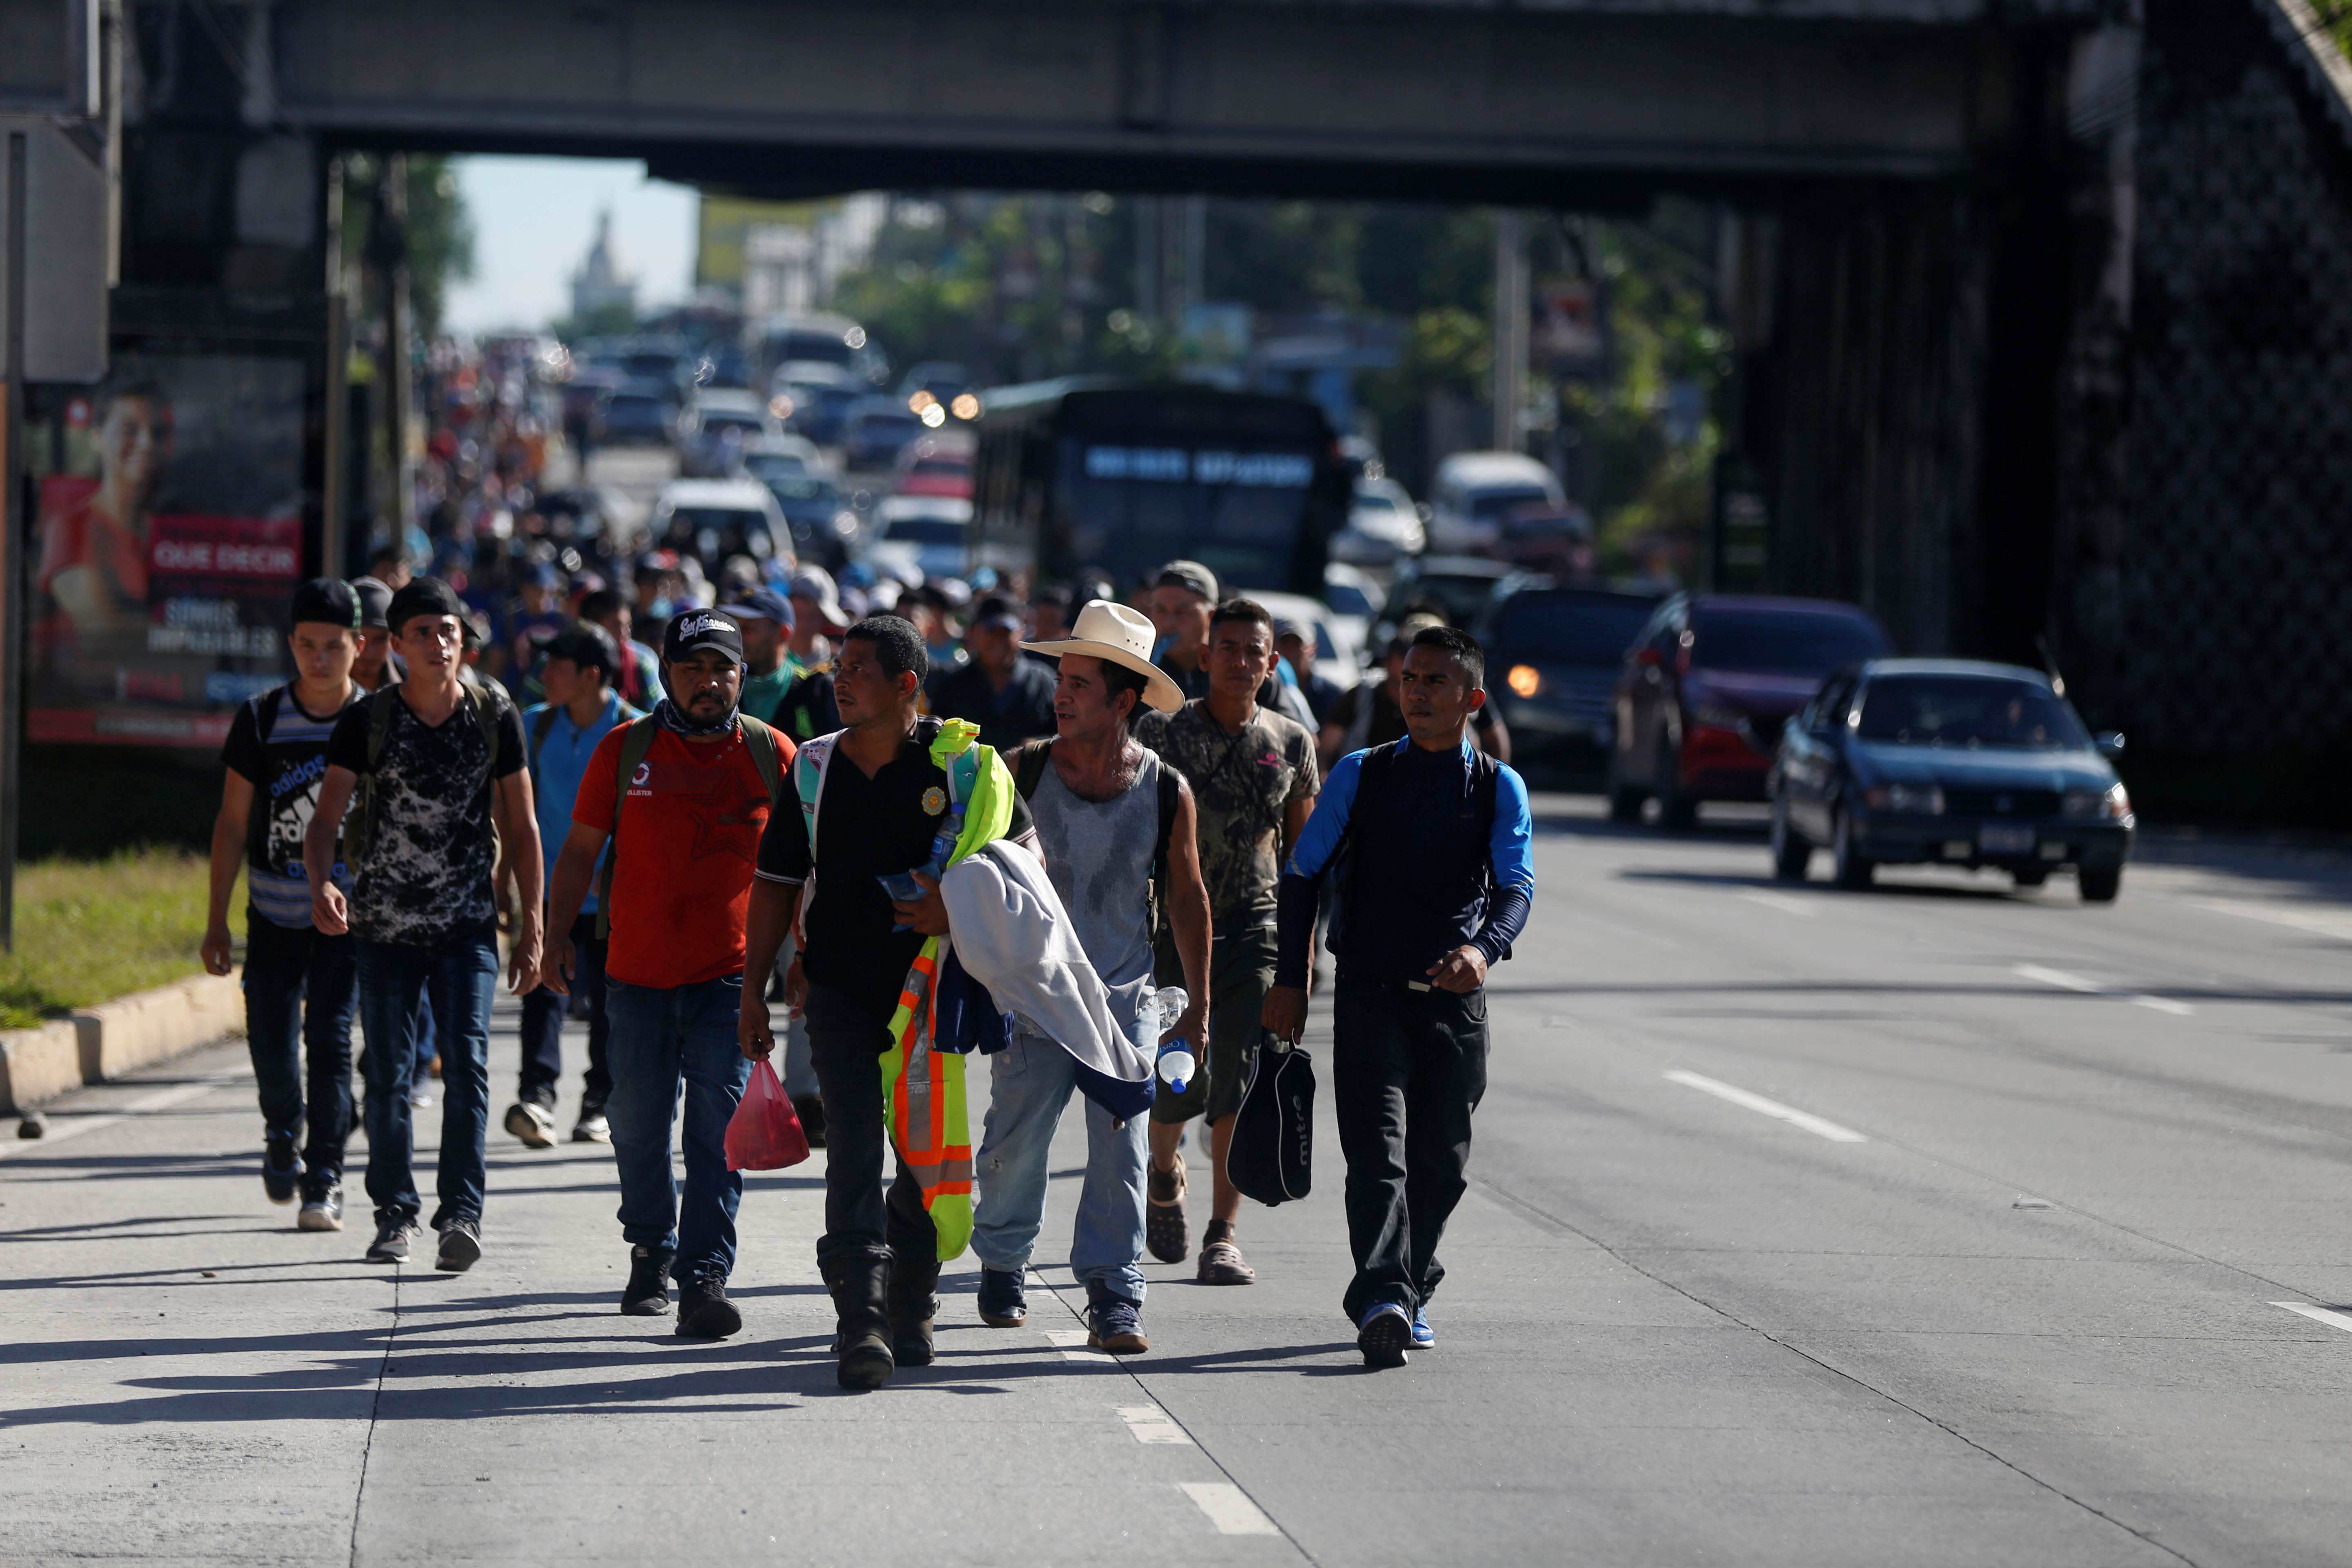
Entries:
{"x":1029,"y":1083}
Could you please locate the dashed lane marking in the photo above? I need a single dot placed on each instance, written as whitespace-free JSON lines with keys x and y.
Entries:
{"x":2333,"y":1318}
{"x":1229,"y":1508}
{"x":2337,"y":923}
{"x":162,"y":1100}
{"x":2066,"y":981}
{"x":1772,"y":1108}
{"x":1151,"y":1424}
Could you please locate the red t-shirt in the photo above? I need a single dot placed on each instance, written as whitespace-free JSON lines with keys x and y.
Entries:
{"x":682,"y":871}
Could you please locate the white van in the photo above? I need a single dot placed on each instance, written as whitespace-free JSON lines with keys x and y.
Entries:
{"x":1475,"y":490}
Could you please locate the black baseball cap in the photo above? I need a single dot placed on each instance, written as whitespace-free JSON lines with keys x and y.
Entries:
{"x":692,"y":631}
{"x":996,"y":610}
{"x":423,"y":597}
{"x":584,"y":643}
{"x":765,"y":604}
{"x":375,"y":601}
{"x":327,"y":600}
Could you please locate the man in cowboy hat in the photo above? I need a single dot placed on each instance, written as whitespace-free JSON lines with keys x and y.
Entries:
{"x":1111,"y":819}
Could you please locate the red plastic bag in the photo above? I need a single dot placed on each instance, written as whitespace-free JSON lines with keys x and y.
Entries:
{"x":764,"y":1134}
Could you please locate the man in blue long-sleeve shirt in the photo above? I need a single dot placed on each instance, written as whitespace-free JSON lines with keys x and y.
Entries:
{"x":1435,"y":884}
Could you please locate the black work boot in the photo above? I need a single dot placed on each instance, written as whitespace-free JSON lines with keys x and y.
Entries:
{"x":860,"y":1286}
{"x":704,"y":1313}
{"x":912,"y":1308}
{"x":647,"y":1295}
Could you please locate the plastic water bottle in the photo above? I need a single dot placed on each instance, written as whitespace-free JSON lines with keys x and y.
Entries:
{"x":1176,"y":1055}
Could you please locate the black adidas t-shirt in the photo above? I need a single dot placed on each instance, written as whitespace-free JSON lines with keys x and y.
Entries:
{"x":868,"y":828}
{"x":284,"y":768}
{"x":430,"y":848}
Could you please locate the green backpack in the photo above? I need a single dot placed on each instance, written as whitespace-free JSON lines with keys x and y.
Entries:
{"x":358,"y":837}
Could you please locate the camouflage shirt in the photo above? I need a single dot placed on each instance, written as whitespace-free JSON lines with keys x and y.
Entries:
{"x":1242,"y":782}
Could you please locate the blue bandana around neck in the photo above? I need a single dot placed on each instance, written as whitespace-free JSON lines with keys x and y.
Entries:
{"x":671,"y":717}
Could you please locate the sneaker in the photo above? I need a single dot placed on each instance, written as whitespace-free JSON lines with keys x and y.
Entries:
{"x":1166,"y":1232}
{"x":704,"y":1313}
{"x":532,"y":1122}
{"x":647,"y":1295}
{"x":1115,"y":1324}
{"x":419,"y":1096}
{"x":592,"y":1127}
{"x":392,"y":1238}
{"x":1221,"y":1264}
{"x":1384,"y":1334}
{"x":811,"y":1110}
{"x":323,"y":1210}
{"x":281,"y":1169}
{"x":1424,"y":1338}
{"x":461,"y":1244}
{"x":1004,"y":1303}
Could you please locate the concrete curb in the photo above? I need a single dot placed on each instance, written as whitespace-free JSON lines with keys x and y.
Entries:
{"x":116,"y":1037}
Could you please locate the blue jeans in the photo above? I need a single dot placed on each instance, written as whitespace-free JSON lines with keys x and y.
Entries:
{"x":300,"y":991}
{"x":1029,"y":1082}
{"x":661,"y":1039}
{"x":543,"y":1028}
{"x":461,"y":977}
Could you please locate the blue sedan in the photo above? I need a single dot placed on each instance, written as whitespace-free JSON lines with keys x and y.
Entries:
{"x":1944,"y":762}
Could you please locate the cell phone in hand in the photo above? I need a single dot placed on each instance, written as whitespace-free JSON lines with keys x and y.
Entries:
{"x":902,"y":887}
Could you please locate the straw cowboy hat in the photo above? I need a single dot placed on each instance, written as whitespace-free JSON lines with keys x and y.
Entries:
{"x":1124,"y":636}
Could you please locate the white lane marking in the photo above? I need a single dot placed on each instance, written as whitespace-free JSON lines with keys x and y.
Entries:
{"x":1151,"y":1424}
{"x":1229,"y":1508}
{"x":162,"y":1100}
{"x":1780,"y":902}
{"x":1772,"y":1108}
{"x":2319,"y":1314}
{"x":2065,"y":982}
{"x":2319,"y":923}
{"x":1071,"y":1343}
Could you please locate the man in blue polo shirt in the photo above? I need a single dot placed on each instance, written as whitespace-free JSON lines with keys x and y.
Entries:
{"x":1435,"y":884}
{"x":561,"y":733}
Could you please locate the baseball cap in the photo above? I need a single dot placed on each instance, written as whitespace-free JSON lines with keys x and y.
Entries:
{"x":423,"y":597}
{"x":760,"y":604}
{"x":375,"y":602}
{"x":996,"y":610}
{"x":814,"y":584}
{"x":328,"y":600}
{"x":1188,"y":575}
{"x":539,"y":574}
{"x":692,"y":631}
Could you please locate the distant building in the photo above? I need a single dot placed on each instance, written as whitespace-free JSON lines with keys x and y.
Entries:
{"x":604,"y":277}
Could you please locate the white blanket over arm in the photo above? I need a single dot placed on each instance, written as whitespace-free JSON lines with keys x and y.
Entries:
{"x":1011,"y":934}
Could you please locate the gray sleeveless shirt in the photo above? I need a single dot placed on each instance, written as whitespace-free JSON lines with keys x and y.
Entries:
{"x":1098,"y":856}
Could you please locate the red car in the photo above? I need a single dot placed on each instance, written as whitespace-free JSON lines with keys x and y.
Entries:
{"x":926,"y":470}
{"x":1707,"y":687}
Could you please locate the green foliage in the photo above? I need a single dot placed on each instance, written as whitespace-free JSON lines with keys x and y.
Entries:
{"x":90,"y":930}
{"x":612,"y":321}
{"x":440,"y":234}
{"x":2336,"y":17}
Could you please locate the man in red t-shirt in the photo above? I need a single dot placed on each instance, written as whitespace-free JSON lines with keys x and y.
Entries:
{"x":688,"y":833}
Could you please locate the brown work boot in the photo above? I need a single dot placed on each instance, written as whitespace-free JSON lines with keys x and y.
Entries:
{"x":1166,"y":1234}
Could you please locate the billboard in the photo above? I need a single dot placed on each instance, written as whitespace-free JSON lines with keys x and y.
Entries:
{"x":166,"y":540}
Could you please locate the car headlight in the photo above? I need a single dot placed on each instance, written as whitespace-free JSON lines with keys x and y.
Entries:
{"x":1912,"y":800}
{"x":1525,"y":680}
{"x":2110,"y":805}
{"x":1716,"y":717}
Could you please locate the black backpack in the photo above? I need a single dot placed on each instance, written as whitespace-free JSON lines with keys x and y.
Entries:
{"x":1029,"y":766}
{"x":1371,"y":783}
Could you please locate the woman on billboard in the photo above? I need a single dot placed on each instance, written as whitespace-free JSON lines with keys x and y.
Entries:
{"x":94,"y":554}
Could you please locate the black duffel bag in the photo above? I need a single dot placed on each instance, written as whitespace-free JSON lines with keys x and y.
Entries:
{"x":1272,"y":1156}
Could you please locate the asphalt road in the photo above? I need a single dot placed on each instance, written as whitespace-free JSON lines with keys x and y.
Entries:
{"x":1936,"y":1225}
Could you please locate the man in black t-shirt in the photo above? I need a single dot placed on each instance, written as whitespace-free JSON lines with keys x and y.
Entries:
{"x":443,"y":761}
{"x":299,"y":981}
{"x":883,"y":803}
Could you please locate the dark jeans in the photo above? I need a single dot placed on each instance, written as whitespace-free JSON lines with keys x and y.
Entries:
{"x":461,"y":976}
{"x":542,"y":1027}
{"x":301,"y":994}
{"x":662,"y":1039}
{"x":1407,"y":1067}
{"x":846,"y":1038}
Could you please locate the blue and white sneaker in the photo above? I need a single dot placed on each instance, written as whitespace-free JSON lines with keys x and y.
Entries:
{"x":1424,"y":1338}
{"x":1383,"y":1335}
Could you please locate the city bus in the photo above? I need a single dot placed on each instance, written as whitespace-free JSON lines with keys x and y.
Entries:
{"x":1094,"y":475}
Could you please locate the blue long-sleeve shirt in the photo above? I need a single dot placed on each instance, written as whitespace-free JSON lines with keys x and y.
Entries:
{"x":1421,"y":859}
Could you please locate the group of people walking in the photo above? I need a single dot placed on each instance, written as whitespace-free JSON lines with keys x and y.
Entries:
{"x":699,"y":860}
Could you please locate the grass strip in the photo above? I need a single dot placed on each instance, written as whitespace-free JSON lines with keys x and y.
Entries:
{"x":90,"y":930}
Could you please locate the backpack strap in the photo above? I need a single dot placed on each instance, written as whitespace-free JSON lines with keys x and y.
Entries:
{"x":540,"y":729}
{"x":636,"y":743}
{"x":485,"y":704}
{"x":359,"y":825}
{"x":767,"y":754}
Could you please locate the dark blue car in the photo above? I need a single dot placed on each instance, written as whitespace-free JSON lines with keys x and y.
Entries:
{"x":1944,"y":762}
